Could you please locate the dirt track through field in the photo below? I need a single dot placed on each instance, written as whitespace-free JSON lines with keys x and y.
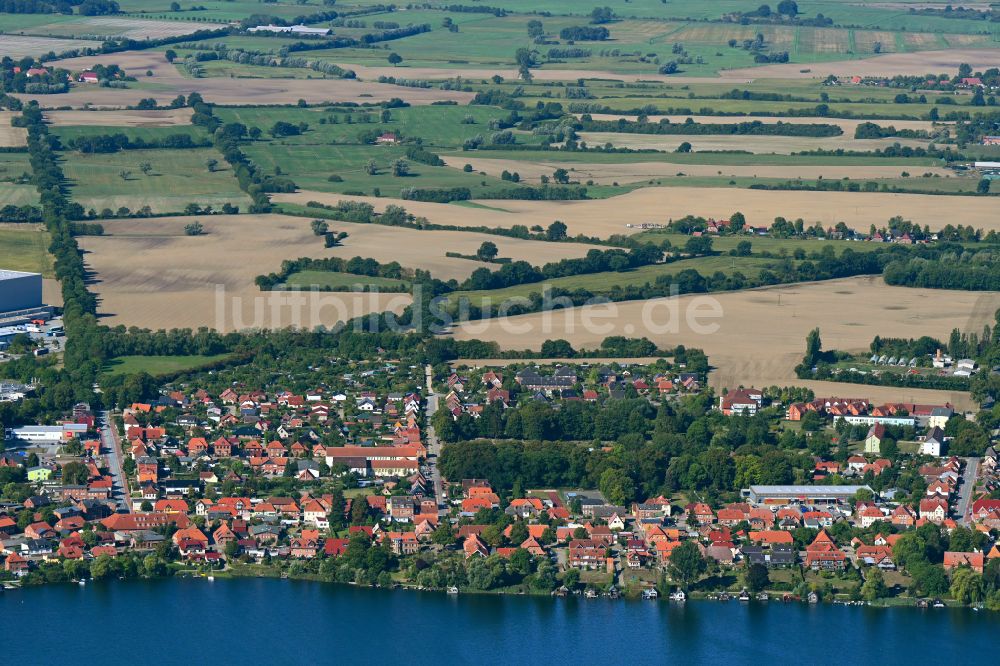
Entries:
{"x":123,"y":118}
{"x":150,"y":274}
{"x":633,"y":172}
{"x":760,"y":334}
{"x":167,"y":82}
{"x":604,"y":217}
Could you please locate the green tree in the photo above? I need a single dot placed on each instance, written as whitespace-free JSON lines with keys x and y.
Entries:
{"x":571,"y":579}
{"x":556,"y":231}
{"x":400,"y":168}
{"x":687,"y":564}
{"x":814,"y":345}
{"x":319,"y":227}
{"x":617,"y":486}
{"x":756,"y":578}
{"x":75,"y":474}
{"x":874,"y":585}
{"x":966,"y":586}
{"x":984,"y":186}
{"x":524,"y":59}
{"x":394,"y":59}
{"x":487,"y":251}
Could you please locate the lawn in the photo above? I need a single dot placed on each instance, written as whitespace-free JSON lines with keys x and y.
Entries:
{"x":24,"y":247}
{"x":159,"y":365}
{"x":177,"y":178}
{"x":334,"y":280}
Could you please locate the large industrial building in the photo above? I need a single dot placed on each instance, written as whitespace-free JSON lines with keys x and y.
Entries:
{"x":21,"y":298}
{"x":782,"y":495}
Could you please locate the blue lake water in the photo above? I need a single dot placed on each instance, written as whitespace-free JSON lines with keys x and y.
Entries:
{"x":266,"y":621}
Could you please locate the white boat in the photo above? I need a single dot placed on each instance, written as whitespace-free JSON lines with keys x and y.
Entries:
{"x":211,"y":578}
{"x":452,"y":590}
{"x":81,"y":582}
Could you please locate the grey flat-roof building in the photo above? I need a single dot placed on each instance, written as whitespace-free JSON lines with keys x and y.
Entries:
{"x":802,"y":494}
{"x":19,"y":291}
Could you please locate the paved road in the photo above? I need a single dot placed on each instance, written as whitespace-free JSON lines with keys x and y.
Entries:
{"x":112,"y":444}
{"x":433,"y":443}
{"x":965,"y":490}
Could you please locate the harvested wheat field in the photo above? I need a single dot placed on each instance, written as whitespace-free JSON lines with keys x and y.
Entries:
{"x":149,"y":273}
{"x":11,"y":137}
{"x":893,"y":64}
{"x":759,"y":144}
{"x":123,"y":118}
{"x":604,"y":217}
{"x":171,"y":83}
{"x":238,"y":248}
{"x":633,"y":172}
{"x":759,"y":335}
{"x":846,"y":124}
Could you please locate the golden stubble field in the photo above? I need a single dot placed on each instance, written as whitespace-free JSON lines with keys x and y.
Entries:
{"x":169,"y":83}
{"x":893,"y":64}
{"x":148,"y":273}
{"x":122,"y":118}
{"x":634,"y":172}
{"x":11,"y":137}
{"x":760,"y":334}
{"x":604,"y":217}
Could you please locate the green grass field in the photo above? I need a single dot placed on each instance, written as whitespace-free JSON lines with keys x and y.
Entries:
{"x":158,"y":365}
{"x":333,"y":280}
{"x":13,"y":166}
{"x":178,"y":177}
{"x":24,"y":247}
{"x":758,"y":244}
{"x":599,"y":283}
{"x":66,"y":133}
{"x":437,"y":126}
{"x":311,"y":166}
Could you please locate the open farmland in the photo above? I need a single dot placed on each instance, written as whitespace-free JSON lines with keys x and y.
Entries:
{"x":784,"y":145}
{"x":10,"y":136}
{"x":18,"y":46}
{"x":893,"y":64}
{"x":848,"y":125}
{"x":633,"y":172}
{"x":15,"y":186}
{"x":604,"y":217}
{"x":123,"y":118}
{"x":176,"y":179}
{"x":24,"y":247}
{"x":167,"y":82}
{"x":760,"y":334}
{"x":113,"y":27}
{"x":148,"y":273}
